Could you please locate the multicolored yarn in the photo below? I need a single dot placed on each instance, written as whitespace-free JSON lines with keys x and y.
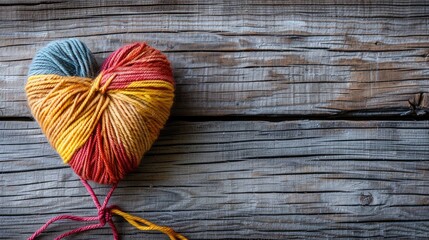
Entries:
{"x":101,"y":125}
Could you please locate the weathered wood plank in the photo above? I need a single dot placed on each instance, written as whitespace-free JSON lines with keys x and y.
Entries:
{"x":252,"y":58}
{"x":241,"y":180}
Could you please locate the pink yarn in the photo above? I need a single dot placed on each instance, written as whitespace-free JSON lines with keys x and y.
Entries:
{"x":104,"y":216}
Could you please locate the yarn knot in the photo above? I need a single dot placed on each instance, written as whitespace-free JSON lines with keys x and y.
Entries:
{"x":104,"y":215}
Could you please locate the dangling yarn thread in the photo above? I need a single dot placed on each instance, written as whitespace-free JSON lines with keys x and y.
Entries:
{"x":105,"y":216}
{"x":101,"y":124}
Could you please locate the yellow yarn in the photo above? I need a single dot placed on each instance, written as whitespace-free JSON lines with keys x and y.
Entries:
{"x":148,"y":226}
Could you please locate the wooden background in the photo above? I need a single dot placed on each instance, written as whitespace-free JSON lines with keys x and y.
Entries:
{"x":292,"y":119}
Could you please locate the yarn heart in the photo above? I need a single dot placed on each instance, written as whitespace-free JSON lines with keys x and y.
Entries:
{"x":101,"y":125}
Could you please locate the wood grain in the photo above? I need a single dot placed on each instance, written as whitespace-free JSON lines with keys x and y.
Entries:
{"x":351,"y":58}
{"x":238,"y":180}
{"x":213,"y":175}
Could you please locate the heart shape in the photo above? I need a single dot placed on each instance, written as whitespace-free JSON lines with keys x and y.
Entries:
{"x":101,"y":125}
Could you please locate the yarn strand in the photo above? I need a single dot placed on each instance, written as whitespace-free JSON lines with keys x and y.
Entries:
{"x":101,"y":217}
{"x":148,"y":226}
{"x":105,"y":216}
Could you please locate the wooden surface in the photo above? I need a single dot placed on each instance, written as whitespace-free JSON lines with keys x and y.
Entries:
{"x":292,"y":119}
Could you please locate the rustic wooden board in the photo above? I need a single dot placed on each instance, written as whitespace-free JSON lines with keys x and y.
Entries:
{"x":238,"y":180}
{"x":254,"y":58}
{"x":260,"y":179}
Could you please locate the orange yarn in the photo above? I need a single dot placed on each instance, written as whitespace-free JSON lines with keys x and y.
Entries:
{"x":103,"y":126}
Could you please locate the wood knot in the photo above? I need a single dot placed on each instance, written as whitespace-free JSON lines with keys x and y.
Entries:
{"x":419,"y":104}
{"x":366,"y":199}
{"x":425,"y":56}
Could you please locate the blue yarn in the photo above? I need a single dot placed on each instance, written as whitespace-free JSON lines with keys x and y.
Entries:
{"x":68,"y":57}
